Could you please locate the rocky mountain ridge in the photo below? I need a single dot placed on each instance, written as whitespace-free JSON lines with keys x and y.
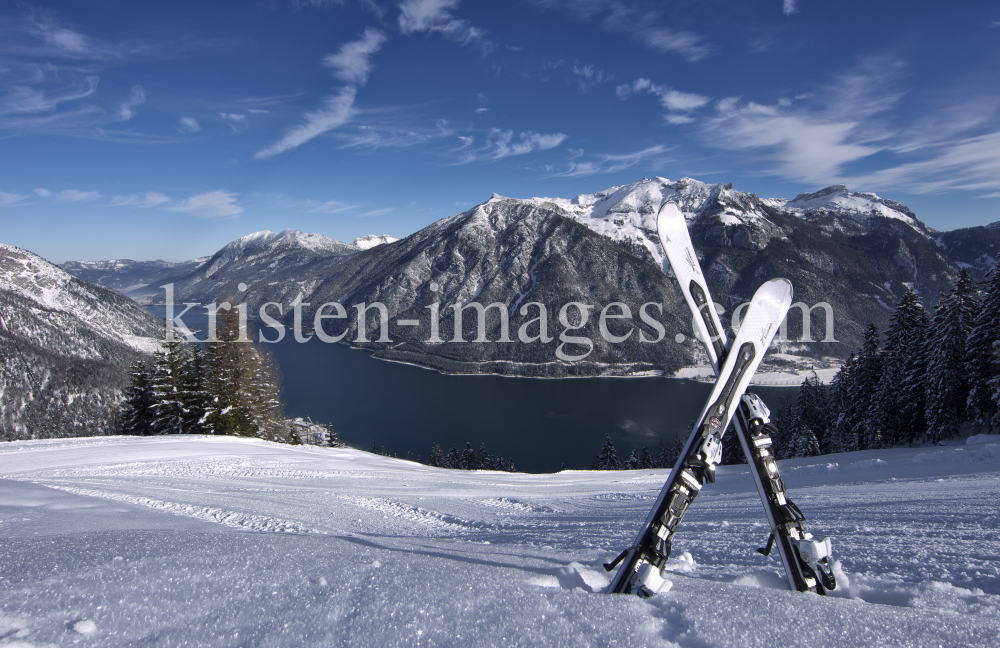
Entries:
{"x":855,"y":254}
{"x":67,"y":345}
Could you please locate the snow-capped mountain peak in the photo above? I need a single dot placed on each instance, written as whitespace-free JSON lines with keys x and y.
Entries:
{"x":371,"y":240}
{"x":862,"y":206}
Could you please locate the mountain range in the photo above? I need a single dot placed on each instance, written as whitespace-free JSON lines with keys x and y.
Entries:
{"x":857,"y":252}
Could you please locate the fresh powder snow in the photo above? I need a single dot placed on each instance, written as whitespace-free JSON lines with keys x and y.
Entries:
{"x":219,"y":541}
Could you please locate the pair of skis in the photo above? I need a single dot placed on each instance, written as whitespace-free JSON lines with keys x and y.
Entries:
{"x":804,"y":556}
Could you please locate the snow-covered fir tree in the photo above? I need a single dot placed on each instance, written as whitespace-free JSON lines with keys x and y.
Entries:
{"x":856,"y":385}
{"x":137,"y":411}
{"x":436,"y":458}
{"x":947,"y":384}
{"x":454,"y":459}
{"x":646,"y":460}
{"x":167,"y":386}
{"x":812,"y":417}
{"x":469,"y":460}
{"x":982,"y":359}
{"x":608,"y":458}
{"x":633,"y":461}
{"x":483,"y":459}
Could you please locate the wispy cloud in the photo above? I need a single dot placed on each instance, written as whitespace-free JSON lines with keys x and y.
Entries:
{"x":605,"y":163}
{"x":970,"y":163}
{"x":74,"y":196}
{"x":213,"y":204}
{"x":330,"y":207}
{"x":136,"y":97}
{"x":352,"y":64}
{"x":436,"y":16}
{"x":236,"y":121}
{"x":11,"y":198}
{"x":588,"y":76}
{"x":377,"y":212}
{"x":790,"y":7}
{"x":679,"y":104}
{"x":149,"y":199}
{"x":43,"y":192}
{"x":188,"y":125}
{"x":500,"y":144}
{"x":663,"y":39}
{"x":642,"y":25}
{"x":337,"y":111}
{"x":41,"y":91}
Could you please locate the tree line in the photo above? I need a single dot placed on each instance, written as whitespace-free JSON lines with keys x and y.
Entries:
{"x":227,"y":387}
{"x":929,"y":377}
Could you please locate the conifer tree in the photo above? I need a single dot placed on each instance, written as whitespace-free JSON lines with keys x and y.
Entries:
{"x":645,"y":459}
{"x":947,"y":385}
{"x":167,"y":387}
{"x":454,"y":459}
{"x":469,"y":460}
{"x":856,"y":388}
{"x":814,"y":415}
{"x":982,"y":362}
{"x":633,"y":461}
{"x":137,"y":411}
{"x":483,"y":459}
{"x":436,"y":458}
{"x":893,"y":412}
{"x":608,"y":458}
{"x":244,"y":384}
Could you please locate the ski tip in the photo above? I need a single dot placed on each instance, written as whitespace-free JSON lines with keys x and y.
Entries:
{"x":668,"y":210}
{"x":781,"y":285}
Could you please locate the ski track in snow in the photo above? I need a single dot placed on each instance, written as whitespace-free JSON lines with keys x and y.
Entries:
{"x":226,"y":542}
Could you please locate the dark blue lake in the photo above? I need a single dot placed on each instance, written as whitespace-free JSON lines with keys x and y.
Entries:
{"x":542,"y":424}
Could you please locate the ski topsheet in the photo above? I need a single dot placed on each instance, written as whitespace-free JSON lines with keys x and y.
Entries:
{"x":639,"y":571}
{"x":803,"y":556}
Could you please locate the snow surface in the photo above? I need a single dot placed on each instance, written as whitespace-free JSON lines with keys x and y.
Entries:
{"x":216,"y":541}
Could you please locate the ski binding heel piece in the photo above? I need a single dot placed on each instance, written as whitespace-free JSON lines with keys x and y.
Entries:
{"x":815,"y":552}
{"x":649,"y":581}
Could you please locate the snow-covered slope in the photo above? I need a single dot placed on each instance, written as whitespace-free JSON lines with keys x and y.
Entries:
{"x":66,"y":345}
{"x":371,"y":240}
{"x":216,"y":541}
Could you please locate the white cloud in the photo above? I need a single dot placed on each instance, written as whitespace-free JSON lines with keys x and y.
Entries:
{"x":331,"y":207}
{"x":802,"y":146}
{"x":435,"y":16}
{"x":236,"y":121}
{"x":136,"y":97}
{"x":377,"y":212}
{"x":43,"y":192}
{"x":10,"y":198}
{"x":790,"y":7}
{"x":61,"y":38}
{"x":352,"y":64}
{"x":339,"y":110}
{"x":149,"y":199}
{"x":501,"y":144}
{"x":605,"y":163}
{"x":587,"y":76}
{"x":677,"y":102}
{"x":72,"y":195}
{"x":22,"y":98}
{"x":971,"y":163}
{"x":422,"y":15}
{"x":666,"y":40}
{"x":188,"y":125}
{"x":213,"y":204}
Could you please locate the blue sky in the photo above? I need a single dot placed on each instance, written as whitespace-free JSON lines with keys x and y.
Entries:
{"x":164,"y":130}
